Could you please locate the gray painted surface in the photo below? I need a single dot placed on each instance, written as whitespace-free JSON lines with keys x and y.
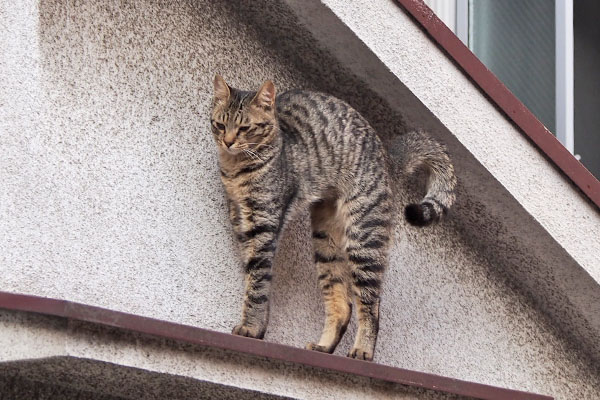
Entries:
{"x":14,"y":387}
{"x":71,"y":378}
{"x":111,"y":195}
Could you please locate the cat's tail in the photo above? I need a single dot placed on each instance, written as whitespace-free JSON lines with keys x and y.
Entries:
{"x":421,"y":151}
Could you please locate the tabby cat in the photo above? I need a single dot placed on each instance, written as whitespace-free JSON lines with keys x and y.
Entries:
{"x":299,"y":150}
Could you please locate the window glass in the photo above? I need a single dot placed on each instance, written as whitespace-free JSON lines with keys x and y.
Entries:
{"x":516,"y":40}
{"x":587,"y":83}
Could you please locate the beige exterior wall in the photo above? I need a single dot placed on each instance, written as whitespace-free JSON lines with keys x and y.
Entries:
{"x":111,"y":197}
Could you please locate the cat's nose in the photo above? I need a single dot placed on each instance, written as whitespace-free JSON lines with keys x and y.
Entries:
{"x":228,"y":140}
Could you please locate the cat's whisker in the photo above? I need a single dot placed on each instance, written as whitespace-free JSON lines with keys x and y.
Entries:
{"x":249,"y":153}
{"x":261,"y":145}
{"x":252,"y":152}
{"x":264,"y":145}
{"x":257,"y":155}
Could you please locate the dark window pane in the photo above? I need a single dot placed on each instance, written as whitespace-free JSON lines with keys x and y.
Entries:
{"x":515,"y":39}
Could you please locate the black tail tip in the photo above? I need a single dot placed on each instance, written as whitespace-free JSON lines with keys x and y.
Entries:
{"x":420,"y":214}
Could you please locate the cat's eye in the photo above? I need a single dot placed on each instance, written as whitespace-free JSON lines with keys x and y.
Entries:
{"x":243,"y":128}
{"x":219,"y":126}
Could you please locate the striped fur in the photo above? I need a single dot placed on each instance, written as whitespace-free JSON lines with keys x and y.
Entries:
{"x":420,"y":151}
{"x":306,"y":150}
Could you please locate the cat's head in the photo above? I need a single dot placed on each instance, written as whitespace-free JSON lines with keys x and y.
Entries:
{"x":243,"y":122}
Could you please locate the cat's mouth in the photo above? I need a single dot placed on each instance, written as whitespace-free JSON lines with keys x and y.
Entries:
{"x":232,"y":150}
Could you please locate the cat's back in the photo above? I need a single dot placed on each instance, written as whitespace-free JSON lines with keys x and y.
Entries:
{"x":326,"y":138}
{"x":314,"y":107}
{"x":321,"y":116}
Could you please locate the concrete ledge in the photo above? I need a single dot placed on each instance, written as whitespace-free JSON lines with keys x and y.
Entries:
{"x":247,"y":346}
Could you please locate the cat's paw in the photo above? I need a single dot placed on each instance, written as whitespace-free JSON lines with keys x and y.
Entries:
{"x":316,"y":347}
{"x":248,"y":331}
{"x":361,"y":354}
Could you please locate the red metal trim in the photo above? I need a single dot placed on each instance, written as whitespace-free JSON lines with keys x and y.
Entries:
{"x":504,"y":98}
{"x":204,"y":337}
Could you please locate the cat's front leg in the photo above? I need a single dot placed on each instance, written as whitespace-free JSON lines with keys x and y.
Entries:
{"x":258,"y":249}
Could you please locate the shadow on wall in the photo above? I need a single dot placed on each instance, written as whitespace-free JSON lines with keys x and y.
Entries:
{"x":132,"y":86}
{"x":476,"y":224}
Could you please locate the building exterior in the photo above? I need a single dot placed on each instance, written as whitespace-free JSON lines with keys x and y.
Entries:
{"x":545,"y":53}
{"x":118,"y":271}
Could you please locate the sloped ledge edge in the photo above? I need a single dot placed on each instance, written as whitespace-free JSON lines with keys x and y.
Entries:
{"x":260,"y":348}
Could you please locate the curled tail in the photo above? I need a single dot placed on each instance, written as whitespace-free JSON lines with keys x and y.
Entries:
{"x":420,"y":151}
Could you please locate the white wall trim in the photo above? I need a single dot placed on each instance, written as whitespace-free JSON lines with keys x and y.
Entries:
{"x":462,"y":21}
{"x":445,"y":10}
{"x":564,"y":74}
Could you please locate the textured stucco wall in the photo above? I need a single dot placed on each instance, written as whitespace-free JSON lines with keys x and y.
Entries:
{"x":111,"y":196}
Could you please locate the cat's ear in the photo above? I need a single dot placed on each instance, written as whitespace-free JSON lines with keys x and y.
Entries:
{"x":222,"y":91}
{"x":265,"y":97}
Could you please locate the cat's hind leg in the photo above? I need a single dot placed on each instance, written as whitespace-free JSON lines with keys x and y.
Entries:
{"x":368,"y":235}
{"x":333,"y":274}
